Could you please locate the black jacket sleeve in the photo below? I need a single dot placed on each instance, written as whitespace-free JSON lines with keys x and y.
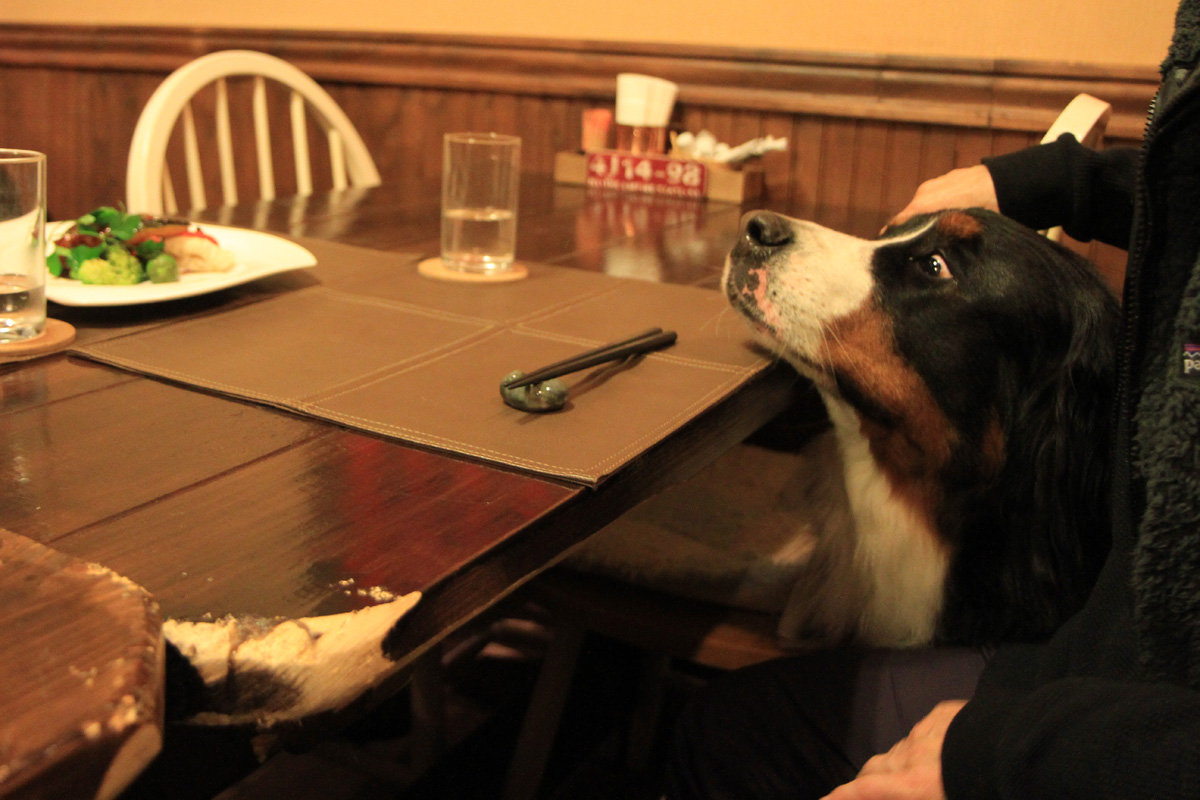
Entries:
{"x":1088,"y":192}
{"x":1073,"y":718}
{"x":1086,"y":738}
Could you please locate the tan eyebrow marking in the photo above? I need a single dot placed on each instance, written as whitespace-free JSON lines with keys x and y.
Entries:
{"x":959,"y":224}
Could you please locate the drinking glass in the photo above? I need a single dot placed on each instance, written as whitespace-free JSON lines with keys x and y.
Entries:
{"x":22,"y":245}
{"x":480,"y":180}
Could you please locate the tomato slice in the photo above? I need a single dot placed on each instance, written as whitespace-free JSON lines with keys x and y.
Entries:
{"x":199,"y":235}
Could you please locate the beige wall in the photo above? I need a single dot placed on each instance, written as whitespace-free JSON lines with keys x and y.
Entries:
{"x":1127,"y":32}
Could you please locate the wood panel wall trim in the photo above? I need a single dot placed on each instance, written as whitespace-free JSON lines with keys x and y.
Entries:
{"x":972,"y":93}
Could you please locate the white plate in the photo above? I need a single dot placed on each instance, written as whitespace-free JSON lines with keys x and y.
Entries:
{"x":257,"y":255}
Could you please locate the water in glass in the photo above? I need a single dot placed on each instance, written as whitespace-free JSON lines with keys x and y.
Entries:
{"x":22,"y":305}
{"x":478,"y":239}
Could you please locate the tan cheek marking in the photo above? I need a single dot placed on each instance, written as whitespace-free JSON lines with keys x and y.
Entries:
{"x":860,"y":346}
{"x":959,"y":224}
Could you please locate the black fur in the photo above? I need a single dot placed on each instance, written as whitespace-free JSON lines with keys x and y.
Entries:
{"x":1025,"y":334}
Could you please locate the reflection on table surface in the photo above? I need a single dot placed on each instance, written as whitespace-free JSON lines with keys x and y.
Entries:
{"x":623,"y":234}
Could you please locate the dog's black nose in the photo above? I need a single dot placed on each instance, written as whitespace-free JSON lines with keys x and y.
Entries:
{"x":767,"y":229}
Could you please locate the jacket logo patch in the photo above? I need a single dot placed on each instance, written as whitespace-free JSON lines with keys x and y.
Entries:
{"x":1191,"y":359}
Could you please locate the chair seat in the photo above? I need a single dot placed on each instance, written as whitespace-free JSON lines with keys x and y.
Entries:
{"x":705,"y":633}
{"x":737,"y":534}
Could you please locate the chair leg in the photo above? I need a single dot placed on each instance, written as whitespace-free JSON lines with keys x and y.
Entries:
{"x":643,"y":725}
{"x":428,"y":710}
{"x":540,"y":726}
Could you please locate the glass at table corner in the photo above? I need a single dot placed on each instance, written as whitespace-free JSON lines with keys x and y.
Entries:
{"x":480,"y":181}
{"x":22,"y":245}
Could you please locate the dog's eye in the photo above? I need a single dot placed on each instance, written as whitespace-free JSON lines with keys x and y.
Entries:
{"x":933,"y":264}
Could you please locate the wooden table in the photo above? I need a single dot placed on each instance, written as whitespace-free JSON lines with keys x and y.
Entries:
{"x":229,"y":510}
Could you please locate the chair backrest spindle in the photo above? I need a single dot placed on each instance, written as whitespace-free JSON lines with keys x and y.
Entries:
{"x":262,"y":141}
{"x":169,"y":204}
{"x":195,"y":171}
{"x":225,"y":145}
{"x":337,"y":159}
{"x":304,"y":184}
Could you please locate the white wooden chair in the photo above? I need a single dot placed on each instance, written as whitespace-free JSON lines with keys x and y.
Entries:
{"x":1085,"y":118}
{"x":149,"y":186}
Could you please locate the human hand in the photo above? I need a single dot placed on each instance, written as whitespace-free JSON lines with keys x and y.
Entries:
{"x":966,"y":187}
{"x":912,"y":769}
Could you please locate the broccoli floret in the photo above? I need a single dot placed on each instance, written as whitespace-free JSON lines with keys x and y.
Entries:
{"x":162,"y":269}
{"x":94,"y":270}
{"x":125,"y":265}
{"x":118,"y":267}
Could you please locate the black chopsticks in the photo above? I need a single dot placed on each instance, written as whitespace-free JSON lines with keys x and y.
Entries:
{"x":644,"y":342}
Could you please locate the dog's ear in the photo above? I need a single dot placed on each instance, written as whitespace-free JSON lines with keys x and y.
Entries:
{"x":1067,"y":428}
{"x":1025,"y":576}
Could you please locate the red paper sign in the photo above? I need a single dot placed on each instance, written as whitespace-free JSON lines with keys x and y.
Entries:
{"x":647,"y":173}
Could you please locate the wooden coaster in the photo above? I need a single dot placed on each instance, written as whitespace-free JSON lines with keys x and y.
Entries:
{"x":58,"y":335}
{"x":434,"y":268}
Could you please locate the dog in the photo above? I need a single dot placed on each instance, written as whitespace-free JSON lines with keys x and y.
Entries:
{"x":967,"y":365}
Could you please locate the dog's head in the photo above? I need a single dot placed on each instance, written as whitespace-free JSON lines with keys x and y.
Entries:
{"x":979,"y":359}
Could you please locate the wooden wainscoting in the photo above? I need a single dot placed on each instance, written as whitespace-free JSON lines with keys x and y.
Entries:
{"x":864,"y":131}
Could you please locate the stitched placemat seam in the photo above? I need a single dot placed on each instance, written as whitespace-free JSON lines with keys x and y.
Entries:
{"x":404,"y":365}
{"x":565,"y":305}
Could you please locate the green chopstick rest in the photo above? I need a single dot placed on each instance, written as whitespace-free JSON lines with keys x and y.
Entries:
{"x":541,"y":397}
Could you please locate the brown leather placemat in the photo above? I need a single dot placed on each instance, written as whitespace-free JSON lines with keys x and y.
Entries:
{"x":377,"y":347}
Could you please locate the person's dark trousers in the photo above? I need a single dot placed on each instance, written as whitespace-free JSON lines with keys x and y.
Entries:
{"x":797,"y":727}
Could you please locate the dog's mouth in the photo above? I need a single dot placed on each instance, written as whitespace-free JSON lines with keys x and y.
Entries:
{"x":743,"y":297}
{"x":746,"y":288}
{"x":745,"y":284}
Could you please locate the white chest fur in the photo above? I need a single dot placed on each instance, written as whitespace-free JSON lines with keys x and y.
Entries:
{"x":898,"y":564}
